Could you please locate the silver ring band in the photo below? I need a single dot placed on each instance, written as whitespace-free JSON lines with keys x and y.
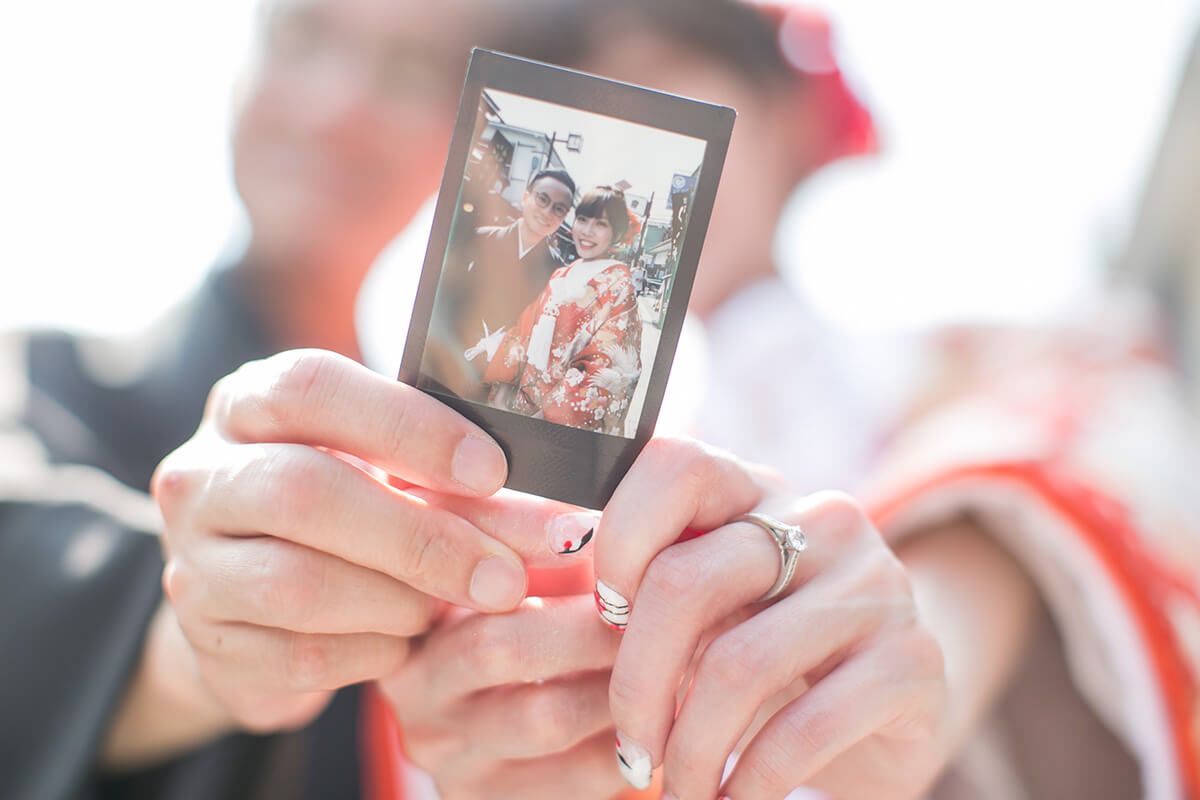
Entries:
{"x":791,"y":542}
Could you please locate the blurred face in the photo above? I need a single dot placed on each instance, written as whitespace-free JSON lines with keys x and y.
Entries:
{"x":344,"y":120}
{"x":593,"y":236}
{"x":544,"y":206}
{"x":761,"y":166}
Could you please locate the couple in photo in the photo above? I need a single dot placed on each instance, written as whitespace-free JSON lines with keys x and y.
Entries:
{"x":552,"y":340}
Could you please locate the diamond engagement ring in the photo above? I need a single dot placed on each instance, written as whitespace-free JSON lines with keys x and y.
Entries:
{"x":791,"y":543}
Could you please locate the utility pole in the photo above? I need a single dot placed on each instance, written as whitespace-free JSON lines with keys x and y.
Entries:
{"x":645,"y":225}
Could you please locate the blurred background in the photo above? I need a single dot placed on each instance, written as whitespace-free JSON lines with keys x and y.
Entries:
{"x":1019,"y":140}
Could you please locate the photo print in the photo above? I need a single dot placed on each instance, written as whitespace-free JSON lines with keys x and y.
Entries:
{"x":563,"y":249}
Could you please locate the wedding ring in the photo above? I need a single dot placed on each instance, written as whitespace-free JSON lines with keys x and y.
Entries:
{"x":791,"y":542}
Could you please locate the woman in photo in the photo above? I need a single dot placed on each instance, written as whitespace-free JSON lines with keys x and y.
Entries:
{"x":574,"y":357}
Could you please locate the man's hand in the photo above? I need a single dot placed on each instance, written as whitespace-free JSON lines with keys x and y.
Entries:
{"x":294,"y":569}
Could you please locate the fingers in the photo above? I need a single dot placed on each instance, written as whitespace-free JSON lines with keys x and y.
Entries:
{"x":800,"y":637}
{"x":320,"y":501}
{"x":485,"y":697}
{"x":263,"y":675}
{"x":674,"y":484}
{"x":687,"y":589}
{"x":690,"y":587}
{"x":537,"y":719}
{"x":546,"y":534}
{"x":317,"y":398}
{"x":884,"y":697}
{"x":584,"y":772}
{"x":272,"y":582}
{"x":543,"y":639}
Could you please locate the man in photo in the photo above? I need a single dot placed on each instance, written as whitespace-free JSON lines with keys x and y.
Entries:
{"x":490,"y":280}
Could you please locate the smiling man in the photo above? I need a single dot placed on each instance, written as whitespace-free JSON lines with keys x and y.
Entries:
{"x":490,"y":279}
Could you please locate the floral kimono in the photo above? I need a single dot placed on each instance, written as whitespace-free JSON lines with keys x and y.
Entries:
{"x":574,"y":357}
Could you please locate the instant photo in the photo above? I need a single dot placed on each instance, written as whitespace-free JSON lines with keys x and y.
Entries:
{"x":564,"y":245}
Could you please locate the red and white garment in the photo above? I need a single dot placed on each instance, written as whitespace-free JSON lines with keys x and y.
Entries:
{"x":574,"y":357}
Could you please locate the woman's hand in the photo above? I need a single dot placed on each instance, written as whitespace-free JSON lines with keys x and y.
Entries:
{"x":295,"y":569}
{"x":512,"y":705}
{"x":834,"y":684}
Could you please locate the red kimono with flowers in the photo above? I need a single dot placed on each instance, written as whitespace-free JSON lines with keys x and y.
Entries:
{"x":574,"y":357}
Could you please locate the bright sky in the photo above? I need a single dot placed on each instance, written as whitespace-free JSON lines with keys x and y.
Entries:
{"x":1017,"y":136}
{"x":612,"y":149}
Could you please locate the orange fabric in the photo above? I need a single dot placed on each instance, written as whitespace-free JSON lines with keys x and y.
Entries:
{"x":1109,"y":533}
{"x":382,"y":759}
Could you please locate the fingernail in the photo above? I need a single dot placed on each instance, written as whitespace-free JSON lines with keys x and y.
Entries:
{"x":497,"y":583}
{"x":570,"y":533}
{"x":668,"y":796}
{"x":634,"y":761}
{"x":478,"y":464}
{"x":614,"y":608}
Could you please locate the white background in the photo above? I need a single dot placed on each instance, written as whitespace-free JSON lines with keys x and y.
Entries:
{"x":1016,"y":135}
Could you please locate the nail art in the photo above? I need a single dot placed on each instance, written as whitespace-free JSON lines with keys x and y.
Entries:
{"x":570,"y":533}
{"x":613,"y":607}
{"x":634,"y":761}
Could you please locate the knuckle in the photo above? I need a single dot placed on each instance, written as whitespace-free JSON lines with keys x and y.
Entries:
{"x":882,"y":584}
{"x":841,"y":512}
{"x":495,"y":651}
{"x":179,"y":584}
{"x":289,"y":587}
{"x":220,"y":397}
{"x":698,"y":462}
{"x":732,"y":662}
{"x":684,"y":758}
{"x":770,"y":768}
{"x":671,"y":579}
{"x":671,"y":454}
{"x":295,"y":483}
{"x":178,"y":488}
{"x":281,"y":392}
{"x":423,"y":551}
{"x":925,"y":654}
{"x":170,"y":484}
{"x":298,"y":375}
{"x":803,"y":737}
{"x":309,"y":661}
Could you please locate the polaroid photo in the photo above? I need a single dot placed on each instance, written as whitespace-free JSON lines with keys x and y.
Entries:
{"x":564,"y":244}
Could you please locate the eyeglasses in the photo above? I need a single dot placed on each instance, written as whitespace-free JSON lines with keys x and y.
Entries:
{"x":544,"y":201}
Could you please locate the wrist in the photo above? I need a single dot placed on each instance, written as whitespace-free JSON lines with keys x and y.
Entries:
{"x":167,"y":709}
